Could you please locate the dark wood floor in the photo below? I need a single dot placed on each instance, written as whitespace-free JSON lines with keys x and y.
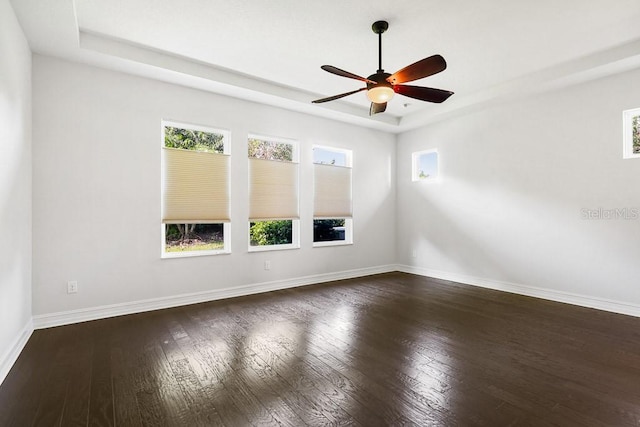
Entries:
{"x":391,"y":349}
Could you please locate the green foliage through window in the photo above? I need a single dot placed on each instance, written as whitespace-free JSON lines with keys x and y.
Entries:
{"x":264,"y":233}
{"x":269,"y":150}
{"x":194,"y":237}
{"x":635,"y":126}
{"x":189,"y":139}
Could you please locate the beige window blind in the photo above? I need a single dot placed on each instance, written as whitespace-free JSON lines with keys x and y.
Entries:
{"x":196,"y":187}
{"x":273,"y":190}
{"x":332,"y":191}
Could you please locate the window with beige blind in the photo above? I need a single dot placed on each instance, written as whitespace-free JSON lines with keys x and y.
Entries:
{"x":332,"y":201}
{"x":195,"y":190}
{"x":273,"y":193}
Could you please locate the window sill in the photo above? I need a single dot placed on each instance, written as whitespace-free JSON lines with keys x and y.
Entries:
{"x":427,"y":180}
{"x":172,"y":255}
{"x":332,"y":243}
{"x":273,"y":248}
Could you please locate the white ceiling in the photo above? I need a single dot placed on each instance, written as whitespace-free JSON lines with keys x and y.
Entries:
{"x":271,"y":51}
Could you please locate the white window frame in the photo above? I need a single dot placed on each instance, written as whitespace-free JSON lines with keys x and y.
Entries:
{"x":348,"y":222}
{"x":627,"y":139}
{"x":415,"y":170}
{"x":226,"y":226}
{"x":295,"y":223}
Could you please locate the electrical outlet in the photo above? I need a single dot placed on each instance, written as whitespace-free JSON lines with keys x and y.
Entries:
{"x":267,"y":265}
{"x":414,"y":253}
{"x":72,"y":287}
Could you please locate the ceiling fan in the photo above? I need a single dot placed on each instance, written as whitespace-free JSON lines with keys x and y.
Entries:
{"x":382,"y":86}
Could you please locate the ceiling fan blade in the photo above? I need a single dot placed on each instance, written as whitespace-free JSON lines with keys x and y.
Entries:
{"x":343,"y":73}
{"x":423,"y":93}
{"x":334,"y":97}
{"x":377,"y":108}
{"x":423,"y":68}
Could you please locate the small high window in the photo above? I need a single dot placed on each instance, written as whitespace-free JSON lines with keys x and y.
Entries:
{"x":195,"y":190}
{"x":425,"y":165}
{"x":273,"y":193}
{"x":332,"y":222}
{"x":631,"y":128}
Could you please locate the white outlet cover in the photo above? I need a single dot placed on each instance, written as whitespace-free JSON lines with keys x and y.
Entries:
{"x":72,"y":287}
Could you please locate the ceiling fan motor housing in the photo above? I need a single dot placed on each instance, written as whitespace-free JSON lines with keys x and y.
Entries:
{"x":381,"y":80}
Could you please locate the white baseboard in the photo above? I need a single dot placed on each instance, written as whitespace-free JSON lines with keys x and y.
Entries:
{"x":75,"y":316}
{"x":11,"y":354}
{"x":101,"y":312}
{"x":548,"y":294}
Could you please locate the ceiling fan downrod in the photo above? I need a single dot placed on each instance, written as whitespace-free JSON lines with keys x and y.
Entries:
{"x":380,"y":27}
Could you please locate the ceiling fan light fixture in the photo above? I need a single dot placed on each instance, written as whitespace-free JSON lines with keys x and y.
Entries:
{"x":380,"y":94}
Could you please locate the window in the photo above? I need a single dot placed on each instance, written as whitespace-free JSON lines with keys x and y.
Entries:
{"x":425,"y":165}
{"x":631,"y":128}
{"x":332,"y":216}
{"x":195,"y":190}
{"x":273,"y":194}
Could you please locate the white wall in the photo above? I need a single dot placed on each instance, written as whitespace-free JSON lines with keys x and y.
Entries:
{"x":96,"y":214}
{"x":15,"y":187}
{"x":515,"y":179}
{"x":508,"y":210}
